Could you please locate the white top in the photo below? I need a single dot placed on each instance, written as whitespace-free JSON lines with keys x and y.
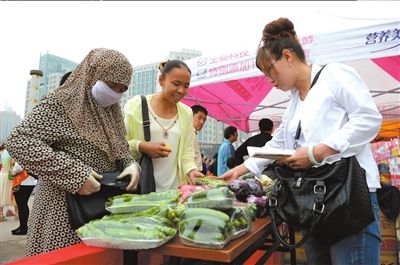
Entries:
{"x":297,"y":114}
{"x":197,"y":153}
{"x":338,"y":111}
{"x":29,"y":181}
{"x":165,"y":169}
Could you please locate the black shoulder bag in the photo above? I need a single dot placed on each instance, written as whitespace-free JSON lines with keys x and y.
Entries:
{"x":330,"y":202}
{"x":146,"y":182}
{"x":84,"y":208}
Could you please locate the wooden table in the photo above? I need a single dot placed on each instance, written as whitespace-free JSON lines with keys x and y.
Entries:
{"x":235,"y":252}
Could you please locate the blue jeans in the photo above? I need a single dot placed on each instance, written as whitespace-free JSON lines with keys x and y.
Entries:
{"x":359,"y":249}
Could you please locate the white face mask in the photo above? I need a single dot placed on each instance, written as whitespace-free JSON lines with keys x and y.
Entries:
{"x":104,"y":95}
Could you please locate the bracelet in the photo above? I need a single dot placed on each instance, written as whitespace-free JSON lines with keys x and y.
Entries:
{"x":311,"y":156}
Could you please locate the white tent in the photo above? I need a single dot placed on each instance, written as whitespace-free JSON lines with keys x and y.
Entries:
{"x":235,"y":92}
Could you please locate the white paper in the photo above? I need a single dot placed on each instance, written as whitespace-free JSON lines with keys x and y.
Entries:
{"x":269,"y":153}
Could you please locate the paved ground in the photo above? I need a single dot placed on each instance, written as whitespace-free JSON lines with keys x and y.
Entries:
{"x":11,"y":247}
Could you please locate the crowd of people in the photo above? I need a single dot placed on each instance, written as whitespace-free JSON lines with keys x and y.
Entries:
{"x":78,"y":131}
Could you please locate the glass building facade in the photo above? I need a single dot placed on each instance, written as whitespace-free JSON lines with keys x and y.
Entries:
{"x":53,"y":68}
{"x":144,"y":81}
{"x":51,"y":64}
{"x":8,"y":120}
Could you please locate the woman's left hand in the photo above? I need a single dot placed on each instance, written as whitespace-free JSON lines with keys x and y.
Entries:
{"x":193,"y":175}
{"x":133,"y":171}
{"x":299,"y":160}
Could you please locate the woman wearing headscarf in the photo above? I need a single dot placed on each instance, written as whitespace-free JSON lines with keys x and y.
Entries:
{"x":73,"y":133}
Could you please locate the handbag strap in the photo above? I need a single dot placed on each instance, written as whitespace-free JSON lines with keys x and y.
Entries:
{"x":146,"y":120}
{"x":298,"y":130}
{"x":318,"y":209}
{"x":302,"y":241}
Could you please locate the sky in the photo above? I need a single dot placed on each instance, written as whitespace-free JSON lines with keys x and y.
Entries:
{"x":147,"y":31}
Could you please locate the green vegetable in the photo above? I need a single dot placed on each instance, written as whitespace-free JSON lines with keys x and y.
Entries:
{"x":197,"y":212}
{"x":206,"y":238}
{"x":214,"y":183}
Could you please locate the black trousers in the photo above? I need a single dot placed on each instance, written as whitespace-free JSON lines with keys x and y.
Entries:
{"x":21,"y":198}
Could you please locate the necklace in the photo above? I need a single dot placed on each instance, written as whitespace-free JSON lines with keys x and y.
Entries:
{"x":165,"y":130}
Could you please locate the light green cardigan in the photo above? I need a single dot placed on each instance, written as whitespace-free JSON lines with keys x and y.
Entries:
{"x":134,"y":126}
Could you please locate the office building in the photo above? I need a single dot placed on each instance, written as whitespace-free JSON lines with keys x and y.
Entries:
{"x":184,"y":54}
{"x":46,"y":79}
{"x":144,"y":82}
{"x":8,"y":120}
{"x":32,"y":91}
{"x":51,"y":64}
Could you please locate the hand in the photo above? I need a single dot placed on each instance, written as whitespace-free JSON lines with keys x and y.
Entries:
{"x":193,"y":175}
{"x":234,"y":173}
{"x":155,"y":149}
{"x":91,"y":185}
{"x":133,"y":171}
{"x":300,"y":159}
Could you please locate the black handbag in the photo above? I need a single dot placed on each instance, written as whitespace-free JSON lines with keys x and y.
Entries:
{"x":147,"y":183}
{"x":330,"y":202}
{"x":84,"y":208}
{"x":389,"y":201}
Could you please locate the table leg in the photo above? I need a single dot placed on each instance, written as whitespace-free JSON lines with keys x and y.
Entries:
{"x":174,"y":260}
{"x":130,"y":257}
{"x":292,"y":241}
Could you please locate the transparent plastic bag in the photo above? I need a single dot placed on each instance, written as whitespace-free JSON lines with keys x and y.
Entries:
{"x":205,"y":228}
{"x":218,"y":198}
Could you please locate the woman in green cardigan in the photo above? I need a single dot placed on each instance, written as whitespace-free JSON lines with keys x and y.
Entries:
{"x":172,"y":138}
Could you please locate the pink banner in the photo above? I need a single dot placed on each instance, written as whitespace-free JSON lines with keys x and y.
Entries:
{"x":231,"y":101}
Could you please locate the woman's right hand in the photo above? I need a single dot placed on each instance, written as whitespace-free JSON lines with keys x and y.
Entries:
{"x":234,"y":173}
{"x":155,"y":149}
{"x":91,"y":185}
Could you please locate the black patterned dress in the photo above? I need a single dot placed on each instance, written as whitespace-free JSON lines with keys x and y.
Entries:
{"x":48,"y":146}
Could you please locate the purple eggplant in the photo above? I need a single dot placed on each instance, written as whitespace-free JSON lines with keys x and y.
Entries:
{"x":241,"y":188}
{"x":255,"y":187}
{"x":261,"y":203}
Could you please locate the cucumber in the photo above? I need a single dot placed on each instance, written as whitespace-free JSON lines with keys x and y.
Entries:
{"x":206,"y":238}
{"x":199,"y":212}
{"x":136,"y":234}
{"x":167,"y":231}
{"x":162,"y":197}
{"x":197,"y":195}
{"x":209,"y":224}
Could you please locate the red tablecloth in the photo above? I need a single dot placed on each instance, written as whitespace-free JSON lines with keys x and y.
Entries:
{"x":75,"y":255}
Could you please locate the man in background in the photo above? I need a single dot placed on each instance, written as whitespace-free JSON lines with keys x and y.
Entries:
{"x":226,"y":150}
{"x":199,"y":119}
{"x":265,"y":126}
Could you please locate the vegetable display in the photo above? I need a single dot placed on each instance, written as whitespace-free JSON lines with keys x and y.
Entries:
{"x":141,"y":230}
{"x":213,"y":183}
{"x":130,"y":203}
{"x":203,"y":227}
{"x":219,"y":198}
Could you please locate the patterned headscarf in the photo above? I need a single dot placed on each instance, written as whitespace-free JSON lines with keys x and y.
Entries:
{"x":103,"y":127}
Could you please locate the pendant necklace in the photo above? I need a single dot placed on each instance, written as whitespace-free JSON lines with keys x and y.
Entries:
{"x":165,"y":130}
